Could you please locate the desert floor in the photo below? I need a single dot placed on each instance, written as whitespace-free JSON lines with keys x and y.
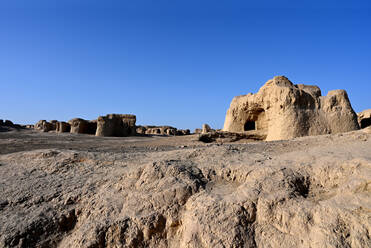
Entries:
{"x":66,"y":190}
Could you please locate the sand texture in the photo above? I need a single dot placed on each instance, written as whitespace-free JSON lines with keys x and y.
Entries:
{"x":76,"y":190}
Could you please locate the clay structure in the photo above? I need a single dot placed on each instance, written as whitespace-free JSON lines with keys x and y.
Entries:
{"x":282,"y":110}
{"x":116,"y":125}
{"x":364,"y":118}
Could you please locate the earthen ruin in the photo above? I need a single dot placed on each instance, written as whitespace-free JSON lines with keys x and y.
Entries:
{"x":282,"y":110}
{"x":43,"y":126}
{"x":79,"y":125}
{"x":364,"y":118}
{"x":161,"y":130}
{"x":116,"y":125}
{"x":63,"y":127}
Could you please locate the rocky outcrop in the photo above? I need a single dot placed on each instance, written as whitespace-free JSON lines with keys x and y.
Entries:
{"x":364,"y":118}
{"x":44,"y":126}
{"x":63,"y":127}
{"x":79,"y":125}
{"x":118,"y":125}
{"x":283,"y":110}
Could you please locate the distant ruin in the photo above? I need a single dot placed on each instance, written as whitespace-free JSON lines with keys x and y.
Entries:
{"x":7,"y":125}
{"x":111,"y":125}
{"x":63,"y":127}
{"x":161,"y":130}
{"x":282,"y":110}
{"x":79,"y":125}
{"x":43,"y":125}
{"x":116,"y":125}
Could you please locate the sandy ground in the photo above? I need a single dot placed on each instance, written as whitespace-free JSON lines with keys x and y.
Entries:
{"x":65,"y":190}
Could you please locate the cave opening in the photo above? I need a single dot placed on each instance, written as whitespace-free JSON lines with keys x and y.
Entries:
{"x":365,"y":122}
{"x":249,"y":125}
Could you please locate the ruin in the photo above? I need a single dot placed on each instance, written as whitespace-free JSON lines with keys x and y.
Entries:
{"x":43,"y":126}
{"x":63,"y":127}
{"x":7,"y":125}
{"x":118,"y":125}
{"x":161,"y":130}
{"x":364,"y":118}
{"x":205,"y":128}
{"x":79,"y":125}
{"x":282,"y":110}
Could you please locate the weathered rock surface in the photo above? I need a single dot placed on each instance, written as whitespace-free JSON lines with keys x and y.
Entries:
{"x":116,"y":125}
{"x":283,"y":111}
{"x":307,"y":192}
{"x":364,"y":118}
{"x":79,"y":125}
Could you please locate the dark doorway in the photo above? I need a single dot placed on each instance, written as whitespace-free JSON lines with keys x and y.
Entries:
{"x":249,"y":125}
{"x":365,"y":122}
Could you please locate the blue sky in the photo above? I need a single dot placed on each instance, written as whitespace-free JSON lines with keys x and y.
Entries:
{"x":174,"y":62}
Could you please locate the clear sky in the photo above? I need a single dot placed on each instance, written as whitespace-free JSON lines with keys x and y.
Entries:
{"x":174,"y":62}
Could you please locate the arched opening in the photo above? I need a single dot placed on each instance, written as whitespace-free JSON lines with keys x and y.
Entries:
{"x":249,"y":125}
{"x":365,"y":122}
